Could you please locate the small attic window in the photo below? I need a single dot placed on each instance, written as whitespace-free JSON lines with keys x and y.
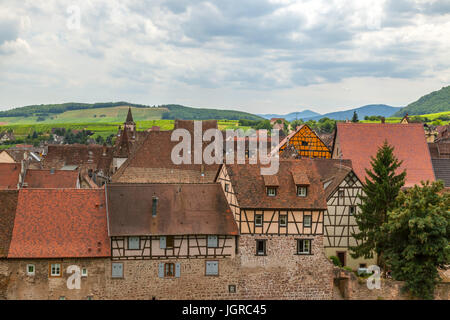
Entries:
{"x":271,"y":191}
{"x":154,"y":206}
{"x":302,"y":191}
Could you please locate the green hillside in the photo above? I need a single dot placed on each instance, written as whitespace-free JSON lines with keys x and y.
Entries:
{"x":112,"y":112}
{"x":437,"y":101}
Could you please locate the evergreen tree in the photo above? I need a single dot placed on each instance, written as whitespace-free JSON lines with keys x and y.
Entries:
{"x":355,"y":117}
{"x":417,"y":238}
{"x":380,"y":190}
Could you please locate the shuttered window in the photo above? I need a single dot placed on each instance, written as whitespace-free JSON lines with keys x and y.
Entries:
{"x":212,"y":268}
{"x":166,"y":242}
{"x":117,"y":270}
{"x":169,"y":270}
{"x":212,"y":241}
{"x":133,"y":243}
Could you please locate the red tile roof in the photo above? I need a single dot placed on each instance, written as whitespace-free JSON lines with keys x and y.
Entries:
{"x":250,"y":189}
{"x":60,"y":223}
{"x":46,"y":179}
{"x":9,"y":175}
{"x":359,"y":141}
{"x":8,"y":204}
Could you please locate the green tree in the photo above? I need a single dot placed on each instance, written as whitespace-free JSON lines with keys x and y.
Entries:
{"x":381,"y":188}
{"x":417,"y":238}
{"x":355,"y":117}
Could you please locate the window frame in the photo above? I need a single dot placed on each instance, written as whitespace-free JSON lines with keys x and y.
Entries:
{"x":167,"y":266}
{"x":310,"y":221}
{"x":350,"y":210}
{"x":302,"y":188}
{"x":264,"y":241}
{"x":50,"y":270}
{"x":309,"y":247}
{"x":227,"y":187}
{"x":285,"y":222}
{"x":262,"y":220}
{"x":274,"y":189}
{"x":34,"y":270}
{"x":84,"y":272}
{"x":171,"y":240}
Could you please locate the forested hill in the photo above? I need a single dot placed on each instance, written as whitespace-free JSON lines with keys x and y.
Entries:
{"x":437,"y":101}
{"x":187,"y":113}
{"x":44,"y":111}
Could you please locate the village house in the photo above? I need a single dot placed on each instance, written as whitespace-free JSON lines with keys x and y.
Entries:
{"x":9,"y":173}
{"x":170,"y":236}
{"x":359,"y":142}
{"x":92,"y":161}
{"x":59,"y":237}
{"x":280,"y":221}
{"x":51,"y":179}
{"x":151,"y":162}
{"x":342,"y":190}
{"x":305,"y":142}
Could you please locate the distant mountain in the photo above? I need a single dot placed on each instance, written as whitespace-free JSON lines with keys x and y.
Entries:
{"x":188,"y":113}
{"x":434,"y":102}
{"x":369,"y":110}
{"x":306,"y":114}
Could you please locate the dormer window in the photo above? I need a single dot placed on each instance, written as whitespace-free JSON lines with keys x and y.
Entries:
{"x":271,"y":191}
{"x":302,"y":191}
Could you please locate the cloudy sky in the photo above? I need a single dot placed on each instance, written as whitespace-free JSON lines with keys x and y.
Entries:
{"x":260,"y":56}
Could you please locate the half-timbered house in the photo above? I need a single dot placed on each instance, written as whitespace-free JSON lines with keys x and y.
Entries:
{"x":280,"y":221}
{"x":305,"y":142}
{"x":342,"y":190}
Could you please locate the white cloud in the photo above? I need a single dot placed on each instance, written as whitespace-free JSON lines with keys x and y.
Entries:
{"x":232,"y":53}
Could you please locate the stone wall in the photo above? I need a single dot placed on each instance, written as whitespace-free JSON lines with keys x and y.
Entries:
{"x":281,"y":274}
{"x":353,"y":288}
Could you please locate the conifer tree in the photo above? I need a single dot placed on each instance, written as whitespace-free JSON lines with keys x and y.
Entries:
{"x":381,"y":188}
{"x":355,"y":117}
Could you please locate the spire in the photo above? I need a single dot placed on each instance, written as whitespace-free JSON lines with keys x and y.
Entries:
{"x":129,"y":116}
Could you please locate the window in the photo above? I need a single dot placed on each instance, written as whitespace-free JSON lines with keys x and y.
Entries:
{"x":227,"y":186}
{"x":154,"y":206}
{"x":55,"y":270}
{"x":166,"y":242}
{"x":272,"y":192}
{"x":212,"y":242}
{"x":304,"y":246}
{"x":352,"y":210}
{"x":301,"y":191}
{"x":283,"y":220}
{"x":84,"y":272}
{"x":363,"y":265}
{"x":134,"y":243}
{"x":258,"y":220}
{"x":212,"y":268}
{"x":304,"y":143}
{"x":117,"y":270}
{"x":260,"y":247}
{"x":307,"y":221}
{"x":341,"y":193}
{"x":31,"y":270}
{"x":232,"y":288}
{"x":169,"y":270}
{"x":90,"y":298}
{"x":62,"y":298}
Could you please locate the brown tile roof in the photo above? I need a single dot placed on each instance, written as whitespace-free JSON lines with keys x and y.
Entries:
{"x":332,"y":171}
{"x":442,"y":170}
{"x":8,"y":204}
{"x":154,"y":156}
{"x":182,"y":209}
{"x":271,"y":181}
{"x":439,"y":150}
{"x":60,"y":223}
{"x":189,"y":125}
{"x":87,"y":156}
{"x":47,"y":179}
{"x":359,"y":141}
{"x":248,"y":183}
{"x":9,"y":175}
{"x":300,"y":178}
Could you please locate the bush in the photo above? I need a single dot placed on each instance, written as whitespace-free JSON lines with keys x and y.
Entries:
{"x":348,"y":269}
{"x":336,"y":261}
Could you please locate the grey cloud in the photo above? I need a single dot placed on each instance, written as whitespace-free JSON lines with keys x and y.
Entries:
{"x":9,"y":29}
